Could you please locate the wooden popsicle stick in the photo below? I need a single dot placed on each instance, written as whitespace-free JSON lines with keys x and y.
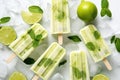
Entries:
{"x":35,"y":77}
{"x":10,"y":58}
{"x":60,"y":39}
{"x":107,"y":64}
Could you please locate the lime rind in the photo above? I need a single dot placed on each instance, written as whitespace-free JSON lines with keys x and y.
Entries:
{"x":100,"y":77}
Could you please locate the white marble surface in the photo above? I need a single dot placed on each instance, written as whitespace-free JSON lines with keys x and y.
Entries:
{"x":107,"y":27}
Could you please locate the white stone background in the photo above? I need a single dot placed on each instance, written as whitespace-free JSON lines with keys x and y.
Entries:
{"x":107,"y":27}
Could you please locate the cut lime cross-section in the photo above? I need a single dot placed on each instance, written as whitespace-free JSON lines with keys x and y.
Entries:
{"x":7,"y":35}
{"x":31,"y":18}
{"x":100,"y":77}
{"x":17,"y":76}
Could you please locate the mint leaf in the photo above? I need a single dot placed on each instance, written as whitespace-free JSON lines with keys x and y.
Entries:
{"x":103,"y":12}
{"x":104,"y":3}
{"x":38,"y":37}
{"x":31,"y":33}
{"x":62,"y":63}
{"x":76,"y":72}
{"x":4,"y":20}
{"x":61,"y":15}
{"x":108,"y":13}
{"x":90,"y":46}
{"x":35,"y":9}
{"x":74,"y":38}
{"x":35,"y":43}
{"x":112,"y":39}
{"x":117,"y":44}
{"x":29,"y":61}
{"x":96,"y":34}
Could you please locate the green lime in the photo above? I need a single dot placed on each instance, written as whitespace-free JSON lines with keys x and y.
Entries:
{"x":17,"y":76}
{"x":87,"y":11}
{"x":7,"y":35}
{"x":100,"y":77}
{"x":31,"y":18}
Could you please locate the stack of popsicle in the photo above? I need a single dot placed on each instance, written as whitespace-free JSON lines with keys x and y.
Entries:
{"x":79,"y":66}
{"x":25,"y":44}
{"x":49,"y":60}
{"x":95,"y":44}
{"x":60,"y":22}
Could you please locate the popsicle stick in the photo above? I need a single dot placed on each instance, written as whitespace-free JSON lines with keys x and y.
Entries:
{"x":107,"y":64}
{"x":35,"y":77}
{"x":60,"y":39}
{"x":10,"y":58}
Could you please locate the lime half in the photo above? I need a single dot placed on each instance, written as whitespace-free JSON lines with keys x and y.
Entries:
{"x":31,"y":18}
{"x":17,"y":76}
{"x":100,"y":77}
{"x":7,"y":35}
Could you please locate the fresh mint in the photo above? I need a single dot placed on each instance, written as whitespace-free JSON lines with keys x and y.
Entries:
{"x":74,"y":38}
{"x":117,"y":44}
{"x":38,"y":37}
{"x":29,"y":61}
{"x":105,"y":8}
{"x":4,"y":20}
{"x":35,"y":43}
{"x":96,"y":34}
{"x":90,"y":46}
{"x":61,"y":15}
{"x":35,"y":9}
{"x":112,"y":39}
{"x":31,"y":33}
{"x":62,"y":62}
{"x":78,"y":74}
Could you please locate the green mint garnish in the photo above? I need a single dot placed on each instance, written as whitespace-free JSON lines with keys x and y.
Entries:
{"x":35,"y":9}
{"x":35,"y":43}
{"x":96,"y":34}
{"x":62,"y":62}
{"x":29,"y":61}
{"x":117,"y":44}
{"x":90,"y":46}
{"x":112,"y":39}
{"x":31,"y":33}
{"x":42,"y":61}
{"x":74,"y":38}
{"x":105,"y":8}
{"x":60,"y":15}
{"x":79,"y":74}
{"x":4,"y":20}
{"x":38,"y":37}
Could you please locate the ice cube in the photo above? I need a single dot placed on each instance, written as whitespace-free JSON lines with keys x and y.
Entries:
{"x":57,"y":76}
{"x":3,"y":69}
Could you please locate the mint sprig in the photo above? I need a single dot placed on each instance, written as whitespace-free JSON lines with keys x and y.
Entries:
{"x":4,"y":20}
{"x":74,"y":38}
{"x":90,"y":46}
{"x":35,"y":9}
{"x":62,"y":62}
{"x":105,"y":8}
{"x":29,"y":61}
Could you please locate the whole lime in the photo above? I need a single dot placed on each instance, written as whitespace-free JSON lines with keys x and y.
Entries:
{"x":87,"y":11}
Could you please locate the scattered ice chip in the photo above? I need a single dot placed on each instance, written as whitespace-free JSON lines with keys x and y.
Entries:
{"x":3,"y":69}
{"x":57,"y":76}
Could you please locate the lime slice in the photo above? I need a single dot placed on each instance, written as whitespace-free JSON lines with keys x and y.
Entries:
{"x":7,"y":35}
{"x":17,"y":76}
{"x":31,"y":18}
{"x":100,"y":77}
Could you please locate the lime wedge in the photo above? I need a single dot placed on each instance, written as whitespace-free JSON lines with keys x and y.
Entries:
{"x":7,"y":35}
{"x":100,"y":77}
{"x":31,"y":18}
{"x":17,"y":76}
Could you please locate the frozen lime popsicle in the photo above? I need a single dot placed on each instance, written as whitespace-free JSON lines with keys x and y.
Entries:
{"x":28,"y":41}
{"x":60,"y":22}
{"x":95,"y":44}
{"x":47,"y":63}
{"x":79,"y":66}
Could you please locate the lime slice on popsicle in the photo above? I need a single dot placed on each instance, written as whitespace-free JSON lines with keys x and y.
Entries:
{"x":100,"y":77}
{"x":7,"y":35}
{"x":17,"y":76}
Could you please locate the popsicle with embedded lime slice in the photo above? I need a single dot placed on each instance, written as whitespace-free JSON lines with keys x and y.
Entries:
{"x":79,"y":66}
{"x":60,"y":21}
{"x":27,"y":42}
{"x":49,"y":60}
{"x":95,"y":44}
{"x":7,"y":35}
{"x":32,"y":16}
